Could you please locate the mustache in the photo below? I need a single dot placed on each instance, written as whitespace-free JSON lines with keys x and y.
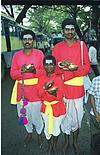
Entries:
{"x":27,"y":44}
{"x":70,"y":33}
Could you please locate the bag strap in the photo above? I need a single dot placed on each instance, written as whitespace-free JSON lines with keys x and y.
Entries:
{"x":82,"y":53}
{"x":81,"y":43}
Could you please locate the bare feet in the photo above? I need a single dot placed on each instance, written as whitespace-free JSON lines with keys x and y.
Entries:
{"x":28,"y":139}
{"x":54,"y":151}
{"x":40,"y":141}
{"x":65,"y":149}
{"x":49,"y":150}
{"x":76,"y":148}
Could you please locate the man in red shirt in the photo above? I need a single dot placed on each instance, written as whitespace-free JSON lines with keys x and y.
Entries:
{"x":53,"y":109}
{"x":69,"y":59}
{"x":26,"y":64}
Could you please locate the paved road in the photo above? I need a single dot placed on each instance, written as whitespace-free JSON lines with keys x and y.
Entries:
{"x":13,"y":134}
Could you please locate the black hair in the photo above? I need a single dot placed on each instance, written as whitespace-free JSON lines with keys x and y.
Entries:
{"x":25,"y":32}
{"x":93,"y":43}
{"x":68,"y":21}
{"x":49,"y":57}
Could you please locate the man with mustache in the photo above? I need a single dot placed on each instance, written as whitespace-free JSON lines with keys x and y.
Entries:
{"x":69,"y":59}
{"x":26,"y":65}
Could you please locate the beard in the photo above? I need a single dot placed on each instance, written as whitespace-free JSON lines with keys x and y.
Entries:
{"x":69,"y":36}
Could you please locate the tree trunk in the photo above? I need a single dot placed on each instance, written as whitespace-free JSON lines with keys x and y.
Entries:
{"x":22,"y":14}
{"x":96,"y":18}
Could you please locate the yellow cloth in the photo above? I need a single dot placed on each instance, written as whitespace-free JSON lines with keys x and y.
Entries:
{"x":26,"y":82}
{"x":77,"y":81}
{"x":49,"y":112}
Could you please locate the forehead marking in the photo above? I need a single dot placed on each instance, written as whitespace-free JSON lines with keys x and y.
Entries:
{"x":27,"y":36}
{"x":48,"y":61}
{"x":69,"y":26}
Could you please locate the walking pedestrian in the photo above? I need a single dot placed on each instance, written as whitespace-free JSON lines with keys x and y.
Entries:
{"x":69,"y":60}
{"x":26,"y":64}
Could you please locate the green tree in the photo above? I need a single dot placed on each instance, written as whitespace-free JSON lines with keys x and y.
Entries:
{"x":47,"y":19}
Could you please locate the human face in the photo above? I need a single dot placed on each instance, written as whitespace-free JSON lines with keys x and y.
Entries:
{"x":69,"y":32}
{"x":49,"y":66}
{"x":27,"y":41}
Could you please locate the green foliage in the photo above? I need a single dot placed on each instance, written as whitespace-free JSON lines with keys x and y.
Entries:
{"x":47,"y":19}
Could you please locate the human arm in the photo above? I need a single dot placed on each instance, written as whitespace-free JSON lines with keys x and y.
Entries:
{"x":58,"y":56}
{"x":94,"y":96}
{"x":28,"y":69}
{"x":45,"y":94}
{"x":19,"y":67}
{"x":57,"y":89}
{"x":39,"y":68}
{"x":90,"y":55}
{"x":82,"y":60}
{"x":15,"y":71}
{"x":97,"y":115}
{"x":84,"y":67}
{"x":48,"y":92}
{"x":74,"y":56}
{"x":93,"y":55}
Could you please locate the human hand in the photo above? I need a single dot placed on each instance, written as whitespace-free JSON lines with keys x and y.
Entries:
{"x":23,"y":68}
{"x":48,"y":85}
{"x":53,"y":91}
{"x":31,"y":68}
{"x":72,"y":67}
{"x":97,"y":117}
{"x":66,"y":65}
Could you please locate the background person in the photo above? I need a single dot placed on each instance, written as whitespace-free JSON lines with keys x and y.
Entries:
{"x":94,"y":92}
{"x":67,"y":54}
{"x":26,"y":64}
{"x":93,"y":58}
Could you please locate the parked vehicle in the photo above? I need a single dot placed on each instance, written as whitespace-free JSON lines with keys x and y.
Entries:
{"x":10,"y":40}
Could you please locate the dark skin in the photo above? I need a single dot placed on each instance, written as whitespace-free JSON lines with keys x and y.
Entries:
{"x":28,"y":46}
{"x":53,"y":91}
{"x":67,"y":65}
{"x":49,"y":68}
{"x":97,"y":115}
{"x":69,"y":34}
{"x":69,"y":39}
{"x":31,"y":69}
{"x":47,"y":86}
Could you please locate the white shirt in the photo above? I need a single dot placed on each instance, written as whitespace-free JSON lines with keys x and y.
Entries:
{"x":93,"y":55}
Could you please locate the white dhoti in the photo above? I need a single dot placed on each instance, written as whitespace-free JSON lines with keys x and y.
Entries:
{"x":34,"y":116}
{"x":74,"y":115}
{"x":56,"y":125}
